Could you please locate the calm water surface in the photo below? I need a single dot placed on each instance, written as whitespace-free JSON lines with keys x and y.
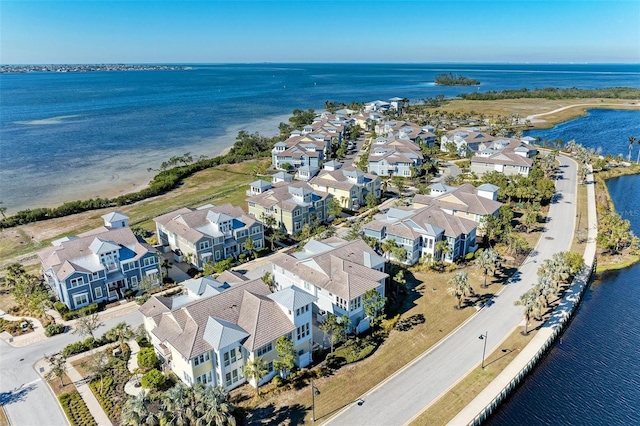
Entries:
{"x":63,"y":135}
{"x":591,"y":375}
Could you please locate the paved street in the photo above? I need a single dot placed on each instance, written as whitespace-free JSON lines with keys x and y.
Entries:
{"x":26,"y":398}
{"x":398,"y":400}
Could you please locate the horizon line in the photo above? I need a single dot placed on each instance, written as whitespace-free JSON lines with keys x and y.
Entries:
{"x":331,"y":63}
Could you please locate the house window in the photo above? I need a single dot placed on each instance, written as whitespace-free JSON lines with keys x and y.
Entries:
{"x":226,"y":358}
{"x":204,"y":245}
{"x":355,"y":303}
{"x":298,"y":312}
{"x":256,"y":230}
{"x":228,"y":379}
{"x":270,"y":366}
{"x":239,"y":352}
{"x":95,"y":276}
{"x":81,"y":299}
{"x":265,"y":349}
{"x":76,"y":282}
{"x":302,"y":331}
{"x":233,"y":355}
{"x":98,"y":292}
{"x":307,"y":285}
{"x":148,"y":261}
{"x":341,"y":303}
{"x":218,"y":255}
{"x":235,"y":376}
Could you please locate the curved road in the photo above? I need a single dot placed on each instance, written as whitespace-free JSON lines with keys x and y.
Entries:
{"x":27,"y":400}
{"x":403,"y":396}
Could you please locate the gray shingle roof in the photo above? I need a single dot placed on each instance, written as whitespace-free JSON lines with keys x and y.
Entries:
{"x":246,"y":305}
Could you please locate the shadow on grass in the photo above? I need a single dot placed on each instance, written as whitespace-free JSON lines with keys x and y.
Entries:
{"x":292,"y":415}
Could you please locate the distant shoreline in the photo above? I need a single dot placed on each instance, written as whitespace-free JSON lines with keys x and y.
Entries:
{"x":66,"y":68}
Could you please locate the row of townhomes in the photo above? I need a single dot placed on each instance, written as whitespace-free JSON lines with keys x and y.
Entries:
{"x":392,"y":156}
{"x":349,"y":185}
{"x":210,"y":333}
{"x":306,"y":150}
{"x":448,"y":214}
{"x":98,"y":265}
{"x":209,"y":233}
{"x":292,"y":204}
{"x":490,"y":153}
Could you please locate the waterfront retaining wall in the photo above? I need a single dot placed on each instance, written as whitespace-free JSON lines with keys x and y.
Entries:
{"x":478,"y":410}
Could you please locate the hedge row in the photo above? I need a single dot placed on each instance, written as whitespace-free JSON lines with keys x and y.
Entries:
{"x":76,"y":410}
{"x":67,"y":315}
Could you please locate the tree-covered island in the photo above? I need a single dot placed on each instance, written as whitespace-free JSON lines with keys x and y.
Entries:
{"x":451,"y":79}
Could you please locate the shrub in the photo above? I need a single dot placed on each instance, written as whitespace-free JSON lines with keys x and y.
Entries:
{"x":74,"y":348}
{"x":75,"y":409}
{"x":153,"y":379}
{"x":142,"y":341}
{"x":77,"y":313}
{"x":277,"y":380}
{"x":53,"y":329}
{"x":142,"y":299}
{"x":147,"y":358}
{"x":60,"y":307}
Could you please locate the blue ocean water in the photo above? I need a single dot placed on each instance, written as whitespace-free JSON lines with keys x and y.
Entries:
{"x":65,"y":136}
{"x":591,"y":375}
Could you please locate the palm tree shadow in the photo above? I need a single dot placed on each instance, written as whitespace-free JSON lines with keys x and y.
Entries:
{"x":292,"y":415}
{"x":16,"y":395}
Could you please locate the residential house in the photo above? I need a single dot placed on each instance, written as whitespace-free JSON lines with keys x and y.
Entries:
{"x":99,"y":265}
{"x":292,"y":204}
{"x":406,"y":130}
{"x":350,"y":186}
{"x":465,"y":201}
{"x":420,"y":230}
{"x":507,"y":156}
{"x":209,"y":339}
{"x":394,"y":157}
{"x":209,"y":233}
{"x":338,"y":273}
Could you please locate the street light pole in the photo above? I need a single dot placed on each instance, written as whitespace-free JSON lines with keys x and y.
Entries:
{"x":484,"y":346}
{"x":314,"y":392}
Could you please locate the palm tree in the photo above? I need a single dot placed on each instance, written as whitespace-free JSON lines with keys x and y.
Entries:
{"x":460,"y":287}
{"x":213,"y":406}
{"x":256,"y":369}
{"x":637,"y":159}
{"x":532,"y":306}
{"x":120,"y":333}
{"x":178,"y":405}
{"x":488,"y":261}
{"x":136,"y":412}
{"x":166,"y":265}
{"x":632,"y":140}
{"x":443,"y":248}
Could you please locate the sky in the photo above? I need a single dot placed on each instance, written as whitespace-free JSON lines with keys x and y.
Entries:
{"x":385,"y":31}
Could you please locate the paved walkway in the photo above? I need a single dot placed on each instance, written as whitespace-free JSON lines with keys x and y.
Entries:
{"x":490,"y":396}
